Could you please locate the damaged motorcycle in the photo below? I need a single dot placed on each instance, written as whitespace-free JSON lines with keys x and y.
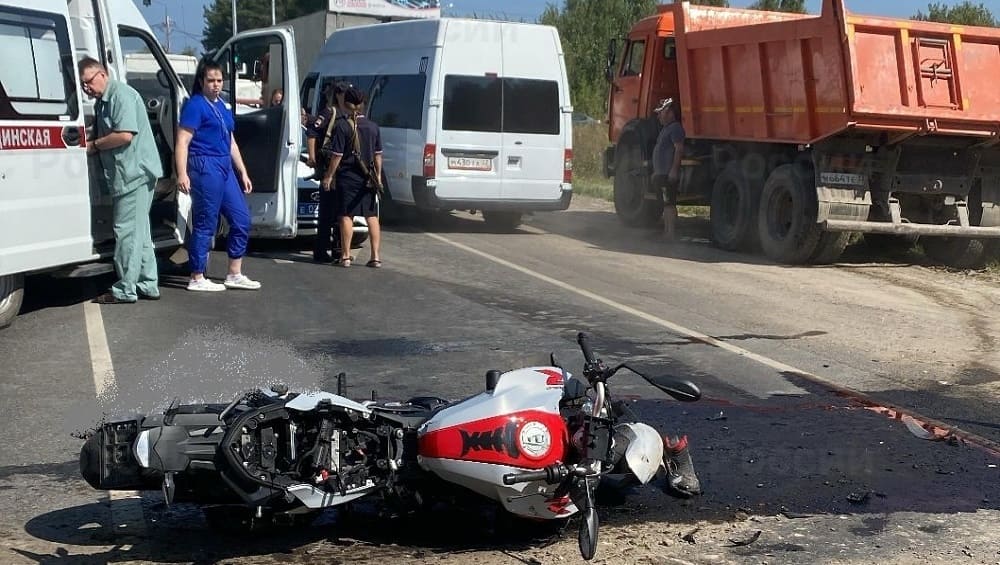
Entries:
{"x":537,"y":441}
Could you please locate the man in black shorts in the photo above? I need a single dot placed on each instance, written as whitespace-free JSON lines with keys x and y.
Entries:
{"x":667,"y":156}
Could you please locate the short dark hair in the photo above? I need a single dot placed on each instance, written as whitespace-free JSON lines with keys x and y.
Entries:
{"x":88,"y":63}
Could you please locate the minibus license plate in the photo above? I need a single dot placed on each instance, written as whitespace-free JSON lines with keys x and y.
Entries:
{"x":470,"y":163}
{"x":308,"y":209}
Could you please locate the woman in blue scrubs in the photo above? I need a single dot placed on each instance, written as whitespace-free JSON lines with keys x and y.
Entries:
{"x":208,"y":162}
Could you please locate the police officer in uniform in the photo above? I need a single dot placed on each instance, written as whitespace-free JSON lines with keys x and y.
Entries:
{"x":354,"y":175}
{"x":317,"y":135}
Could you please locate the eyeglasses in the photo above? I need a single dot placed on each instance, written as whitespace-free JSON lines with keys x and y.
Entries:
{"x":91,"y":79}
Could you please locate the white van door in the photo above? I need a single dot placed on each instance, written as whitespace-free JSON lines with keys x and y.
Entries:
{"x":534,"y":147}
{"x":469,"y":166}
{"x":44,"y":192}
{"x":115,"y":33}
{"x":268,"y":131}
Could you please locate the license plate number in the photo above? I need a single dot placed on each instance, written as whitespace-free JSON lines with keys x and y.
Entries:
{"x":470,"y":163}
{"x":309,"y":209}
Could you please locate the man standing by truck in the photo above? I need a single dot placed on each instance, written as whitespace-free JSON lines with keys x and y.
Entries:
{"x":667,"y":156}
{"x":124,"y":141}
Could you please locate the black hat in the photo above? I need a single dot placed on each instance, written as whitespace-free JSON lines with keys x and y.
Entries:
{"x":354,"y":96}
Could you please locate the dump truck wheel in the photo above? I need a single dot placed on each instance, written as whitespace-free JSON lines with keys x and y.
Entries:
{"x":830,"y":247}
{"x":11,"y":295}
{"x":633,"y":207}
{"x":786,"y":222}
{"x":735,"y":201}
{"x":957,"y":253}
{"x":964,"y":253}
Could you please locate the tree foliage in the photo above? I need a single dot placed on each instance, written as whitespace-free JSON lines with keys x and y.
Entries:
{"x":963,"y":13}
{"x":795,"y":6}
{"x":250,"y":14}
{"x":586,"y":27}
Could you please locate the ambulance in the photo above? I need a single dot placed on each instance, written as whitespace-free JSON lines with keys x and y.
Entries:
{"x":55,"y":212}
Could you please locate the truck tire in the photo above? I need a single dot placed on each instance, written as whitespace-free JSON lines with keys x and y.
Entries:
{"x":830,"y":247}
{"x":735,"y":201}
{"x":11,"y":295}
{"x":965,"y":253}
{"x":786,"y":222}
{"x":634,"y":209}
{"x":958,"y":253}
{"x":501,"y":221}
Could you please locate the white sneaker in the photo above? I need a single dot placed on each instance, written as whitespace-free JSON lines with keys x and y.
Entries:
{"x":204,"y":285}
{"x":241,"y":282}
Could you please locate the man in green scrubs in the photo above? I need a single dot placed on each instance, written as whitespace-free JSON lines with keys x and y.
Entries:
{"x":123,"y":139}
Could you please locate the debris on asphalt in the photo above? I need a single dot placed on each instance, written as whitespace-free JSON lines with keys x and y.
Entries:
{"x":747,"y":541}
{"x":689,"y":537}
{"x":858,"y":498}
{"x":919,"y":431}
{"x":793,"y":515}
{"x":718,"y":417}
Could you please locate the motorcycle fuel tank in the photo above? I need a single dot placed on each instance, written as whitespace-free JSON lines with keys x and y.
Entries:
{"x":513,"y":427}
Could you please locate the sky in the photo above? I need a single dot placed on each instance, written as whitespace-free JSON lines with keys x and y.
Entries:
{"x":187,"y":15}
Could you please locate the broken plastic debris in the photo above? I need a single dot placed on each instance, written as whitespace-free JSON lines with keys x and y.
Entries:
{"x":720,"y":416}
{"x":689,"y":537}
{"x":858,"y":498}
{"x":918,"y":430}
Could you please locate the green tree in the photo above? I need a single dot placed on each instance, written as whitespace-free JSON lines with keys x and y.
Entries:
{"x":964,"y":13}
{"x":719,"y":3}
{"x":586,"y":27}
{"x":795,"y":6}
{"x":250,"y":14}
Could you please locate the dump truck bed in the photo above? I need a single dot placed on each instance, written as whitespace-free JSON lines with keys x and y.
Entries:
{"x":793,"y":78}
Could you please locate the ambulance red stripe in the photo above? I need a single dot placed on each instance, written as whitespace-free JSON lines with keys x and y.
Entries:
{"x":13,"y":138}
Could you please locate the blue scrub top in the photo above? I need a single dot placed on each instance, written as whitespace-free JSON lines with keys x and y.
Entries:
{"x":212,"y":124}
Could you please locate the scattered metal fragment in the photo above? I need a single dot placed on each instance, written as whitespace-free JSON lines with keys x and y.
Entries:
{"x":747,"y":541}
{"x":718,"y":417}
{"x":858,"y":498}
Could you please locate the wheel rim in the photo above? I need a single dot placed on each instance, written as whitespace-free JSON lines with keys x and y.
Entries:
{"x":779,"y":213}
{"x":729,"y":211}
{"x":631,"y":200}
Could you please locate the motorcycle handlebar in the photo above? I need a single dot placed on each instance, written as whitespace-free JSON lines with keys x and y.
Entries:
{"x":531,"y":476}
{"x":584,"y":340}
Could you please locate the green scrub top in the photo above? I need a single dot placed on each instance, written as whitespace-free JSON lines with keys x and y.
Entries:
{"x":134,"y":164}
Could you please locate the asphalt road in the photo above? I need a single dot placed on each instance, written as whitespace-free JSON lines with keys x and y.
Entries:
{"x":781,"y":440}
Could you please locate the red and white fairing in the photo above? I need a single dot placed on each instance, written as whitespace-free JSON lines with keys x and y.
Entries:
{"x":513,"y":428}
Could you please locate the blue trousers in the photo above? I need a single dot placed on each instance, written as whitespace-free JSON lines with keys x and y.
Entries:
{"x":214,"y":189}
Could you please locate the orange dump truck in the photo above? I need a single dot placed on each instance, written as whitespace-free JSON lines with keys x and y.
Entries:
{"x":802,"y":128}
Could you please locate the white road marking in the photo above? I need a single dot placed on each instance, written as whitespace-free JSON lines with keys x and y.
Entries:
{"x":126,"y":506}
{"x":663,"y":323}
{"x":987,"y":444}
{"x":284,"y":262}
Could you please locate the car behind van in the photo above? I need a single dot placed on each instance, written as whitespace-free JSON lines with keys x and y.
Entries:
{"x":475,"y":115}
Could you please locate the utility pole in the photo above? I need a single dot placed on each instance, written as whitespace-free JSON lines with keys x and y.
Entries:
{"x":166,"y":26}
{"x":234,"y":17}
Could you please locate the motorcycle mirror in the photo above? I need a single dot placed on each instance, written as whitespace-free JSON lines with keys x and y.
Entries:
{"x":682,"y":390}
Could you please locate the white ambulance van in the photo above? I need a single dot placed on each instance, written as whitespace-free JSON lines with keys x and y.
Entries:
{"x":474,"y":114}
{"x":55,"y":212}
